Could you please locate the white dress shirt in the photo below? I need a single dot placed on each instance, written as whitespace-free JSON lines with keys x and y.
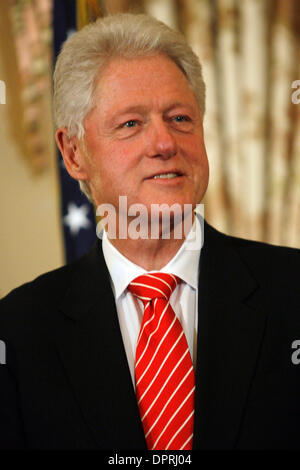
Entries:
{"x":130,"y":309}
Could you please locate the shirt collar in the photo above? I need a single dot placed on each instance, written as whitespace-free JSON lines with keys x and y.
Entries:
{"x":184,"y":264}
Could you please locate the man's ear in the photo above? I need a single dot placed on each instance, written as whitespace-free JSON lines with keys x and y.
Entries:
{"x":72,"y":154}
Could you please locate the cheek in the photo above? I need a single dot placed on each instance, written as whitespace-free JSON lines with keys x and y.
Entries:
{"x":196,"y":154}
{"x":203,"y":161}
{"x":115,"y":165}
{"x":200,"y":170}
{"x":123,"y":160}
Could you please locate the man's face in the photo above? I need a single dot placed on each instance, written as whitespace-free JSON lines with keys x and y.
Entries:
{"x":145,"y":123}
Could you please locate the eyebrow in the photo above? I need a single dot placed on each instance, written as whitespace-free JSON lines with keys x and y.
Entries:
{"x":133,"y":109}
{"x":129,"y":109}
{"x":179,"y":104}
{"x":143,"y":108}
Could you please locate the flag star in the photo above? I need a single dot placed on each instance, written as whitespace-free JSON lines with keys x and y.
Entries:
{"x":70,"y":32}
{"x":76,"y":218}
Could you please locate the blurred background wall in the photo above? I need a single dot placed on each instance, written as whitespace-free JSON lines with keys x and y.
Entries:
{"x":251,"y":64}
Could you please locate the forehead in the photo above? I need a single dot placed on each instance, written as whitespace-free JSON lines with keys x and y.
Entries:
{"x":136,"y":80}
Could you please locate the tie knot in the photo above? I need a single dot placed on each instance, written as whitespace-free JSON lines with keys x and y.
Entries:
{"x":152,"y":286}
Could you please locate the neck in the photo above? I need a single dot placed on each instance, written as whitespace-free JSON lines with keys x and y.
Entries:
{"x":151,"y":254}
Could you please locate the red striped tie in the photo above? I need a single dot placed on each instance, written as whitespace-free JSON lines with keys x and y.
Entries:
{"x":164,"y":374}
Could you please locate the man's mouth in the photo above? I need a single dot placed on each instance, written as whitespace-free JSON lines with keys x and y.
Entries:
{"x":167,"y":175}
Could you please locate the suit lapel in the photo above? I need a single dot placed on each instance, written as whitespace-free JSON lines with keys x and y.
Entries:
{"x":230,"y":332}
{"x":92,"y":351}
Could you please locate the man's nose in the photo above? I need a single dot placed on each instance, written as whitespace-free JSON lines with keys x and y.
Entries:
{"x":161,"y":141}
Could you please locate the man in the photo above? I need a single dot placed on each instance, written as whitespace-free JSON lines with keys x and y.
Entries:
{"x":144,"y":342}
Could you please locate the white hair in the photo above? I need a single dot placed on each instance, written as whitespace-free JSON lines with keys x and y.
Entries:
{"x":86,"y":53}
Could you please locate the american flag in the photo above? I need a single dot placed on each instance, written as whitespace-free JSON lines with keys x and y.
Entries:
{"x":78,"y":218}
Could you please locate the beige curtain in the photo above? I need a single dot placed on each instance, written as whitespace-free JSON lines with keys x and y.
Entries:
{"x":29,"y":23}
{"x":250,"y":55}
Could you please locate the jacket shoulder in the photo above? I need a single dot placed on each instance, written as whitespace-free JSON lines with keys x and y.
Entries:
{"x":270,"y":265}
{"x":39,"y":299}
{"x":276,"y":268}
{"x":51,"y":284}
{"x":267,"y":256}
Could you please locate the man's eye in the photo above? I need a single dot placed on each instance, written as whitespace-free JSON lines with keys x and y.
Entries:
{"x":131,"y":123}
{"x":182,"y":123}
{"x":181,"y":118}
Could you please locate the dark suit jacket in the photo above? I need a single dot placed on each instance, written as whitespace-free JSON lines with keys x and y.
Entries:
{"x":66,"y":383}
